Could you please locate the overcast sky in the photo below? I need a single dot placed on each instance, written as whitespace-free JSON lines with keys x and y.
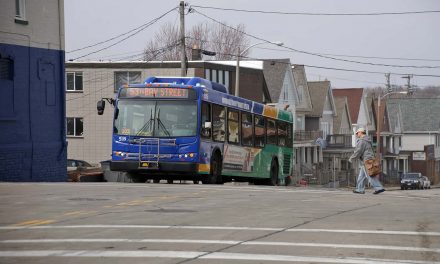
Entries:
{"x":413,"y":38}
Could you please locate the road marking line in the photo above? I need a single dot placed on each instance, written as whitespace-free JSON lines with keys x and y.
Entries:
{"x":33,"y":223}
{"x":74,"y":213}
{"x":27,"y":225}
{"x":201,"y":255}
{"x":380,"y":232}
{"x":225,"y":242}
{"x":380,"y":247}
{"x":288,"y":258}
{"x":121,"y":240}
{"x":144,"y":227}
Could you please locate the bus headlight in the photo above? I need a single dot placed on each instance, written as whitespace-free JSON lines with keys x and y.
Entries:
{"x":120,"y":154}
{"x":187,"y":155}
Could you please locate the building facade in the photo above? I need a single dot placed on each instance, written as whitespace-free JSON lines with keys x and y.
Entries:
{"x":32,"y":117}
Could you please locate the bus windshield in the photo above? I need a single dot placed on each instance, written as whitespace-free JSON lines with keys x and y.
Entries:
{"x":156,"y":118}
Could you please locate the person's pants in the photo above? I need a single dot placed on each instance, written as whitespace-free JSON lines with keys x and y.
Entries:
{"x":360,"y":184}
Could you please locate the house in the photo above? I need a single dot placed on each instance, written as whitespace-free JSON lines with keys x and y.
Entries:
{"x":358,"y":106}
{"x":418,"y":121}
{"x":338,"y":147}
{"x":32,"y":116}
{"x":308,"y":151}
{"x":319,"y":119}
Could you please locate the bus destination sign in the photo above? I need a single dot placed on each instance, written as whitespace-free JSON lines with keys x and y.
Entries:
{"x":154,"y":92}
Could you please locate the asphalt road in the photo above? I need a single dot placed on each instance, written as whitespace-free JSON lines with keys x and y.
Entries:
{"x":186,"y":223}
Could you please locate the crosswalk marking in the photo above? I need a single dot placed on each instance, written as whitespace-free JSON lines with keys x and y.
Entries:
{"x":242,"y":228}
{"x":224,"y":242}
{"x":201,"y":255}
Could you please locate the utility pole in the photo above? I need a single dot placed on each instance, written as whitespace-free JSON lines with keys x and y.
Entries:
{"x":182,"y":39}
{"x":408,"y":86}
{"x":387,"y":76}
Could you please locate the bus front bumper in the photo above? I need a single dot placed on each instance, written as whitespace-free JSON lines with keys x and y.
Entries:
{"x":161,"y":167}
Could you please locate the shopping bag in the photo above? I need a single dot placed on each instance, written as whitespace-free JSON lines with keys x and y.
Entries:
{"x":373,"y":166}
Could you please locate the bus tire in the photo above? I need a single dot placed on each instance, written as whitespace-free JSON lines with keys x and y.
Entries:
{"x":137,"y":178}
{"x":156,"y":180}
{"x":274,"y":169}
{"x":215,"y":175}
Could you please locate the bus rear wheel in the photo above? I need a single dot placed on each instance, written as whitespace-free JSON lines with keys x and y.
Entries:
{"x":273,"y":180}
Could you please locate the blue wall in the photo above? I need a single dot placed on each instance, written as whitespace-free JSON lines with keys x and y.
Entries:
{"x":33,"y":143}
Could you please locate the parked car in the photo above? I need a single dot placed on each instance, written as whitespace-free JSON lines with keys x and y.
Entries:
{"x":411,"y":180}
{"x":82,"y":171}
{"x":426,"y":183}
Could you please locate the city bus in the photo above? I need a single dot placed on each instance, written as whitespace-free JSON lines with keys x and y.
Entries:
{"x":179,"y":128}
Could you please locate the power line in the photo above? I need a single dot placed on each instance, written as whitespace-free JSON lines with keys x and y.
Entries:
{"x":359,"y":56}
{"x":113,"y":38}
{"x":129,"y":36}
{"x":372,"y":72}
{"x":317,"y":54}
{"x":319,"y":14}
{"x":336,"y":55}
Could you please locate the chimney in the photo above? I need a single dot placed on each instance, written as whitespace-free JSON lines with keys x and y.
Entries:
{"x":196,"y":53}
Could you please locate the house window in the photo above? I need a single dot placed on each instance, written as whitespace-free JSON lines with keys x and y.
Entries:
{"x":74,"y":81}
{"x":125,"y":78}
{"x":208,"y":74}
{"x":219,"y":76}
{"x":6,"y":67}
{"x":325,"y":127}
{"x":20,"y":11}
{"x":75,"y":126}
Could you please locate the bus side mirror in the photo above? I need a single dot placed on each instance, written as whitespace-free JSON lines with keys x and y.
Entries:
{"x":100,"y":106}
{"x":206,"y":129}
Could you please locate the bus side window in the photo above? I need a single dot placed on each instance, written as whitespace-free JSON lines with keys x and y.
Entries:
{"x":282,"y":133}
{"x":206,"y":117}
{"x":218,"y":123}
{"x":271,"y":132}
{"x":247,"y":134}
{"x":233,"y":128}
{"x":260,"y":131}
{"x":289,"y":134}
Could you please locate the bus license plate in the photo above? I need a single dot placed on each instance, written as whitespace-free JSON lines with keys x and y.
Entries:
{"x":148,"y":164}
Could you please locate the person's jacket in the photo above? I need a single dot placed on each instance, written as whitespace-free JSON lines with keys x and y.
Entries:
{"x":363,"y":149}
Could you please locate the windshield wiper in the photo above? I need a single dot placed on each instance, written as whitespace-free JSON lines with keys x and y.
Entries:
{"x":161,"y":125}
{"x":147,"y":125}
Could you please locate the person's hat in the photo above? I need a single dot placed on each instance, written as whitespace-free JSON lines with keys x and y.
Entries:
{"x":361,"y":129}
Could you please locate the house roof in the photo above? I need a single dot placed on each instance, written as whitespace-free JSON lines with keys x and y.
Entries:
{"x":418,"y":114}
{"x":299,"y":75}
{"x":341,"y":103}
{"x":354,"y":96}
{"x":274,"y":72}
{"x":318,"y":94}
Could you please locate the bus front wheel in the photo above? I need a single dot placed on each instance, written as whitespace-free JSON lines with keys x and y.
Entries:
{"x":215,"y":175}
{"x":137,"y":178}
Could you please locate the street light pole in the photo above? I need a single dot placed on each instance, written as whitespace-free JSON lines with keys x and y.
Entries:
{"x":379,"y":121}
{"x":237,"y":68}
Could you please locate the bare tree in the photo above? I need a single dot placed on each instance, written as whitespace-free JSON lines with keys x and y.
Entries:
{"x":221,"y":39}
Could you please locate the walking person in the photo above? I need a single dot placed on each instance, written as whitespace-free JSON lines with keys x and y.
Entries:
{"x":364,"y":151}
